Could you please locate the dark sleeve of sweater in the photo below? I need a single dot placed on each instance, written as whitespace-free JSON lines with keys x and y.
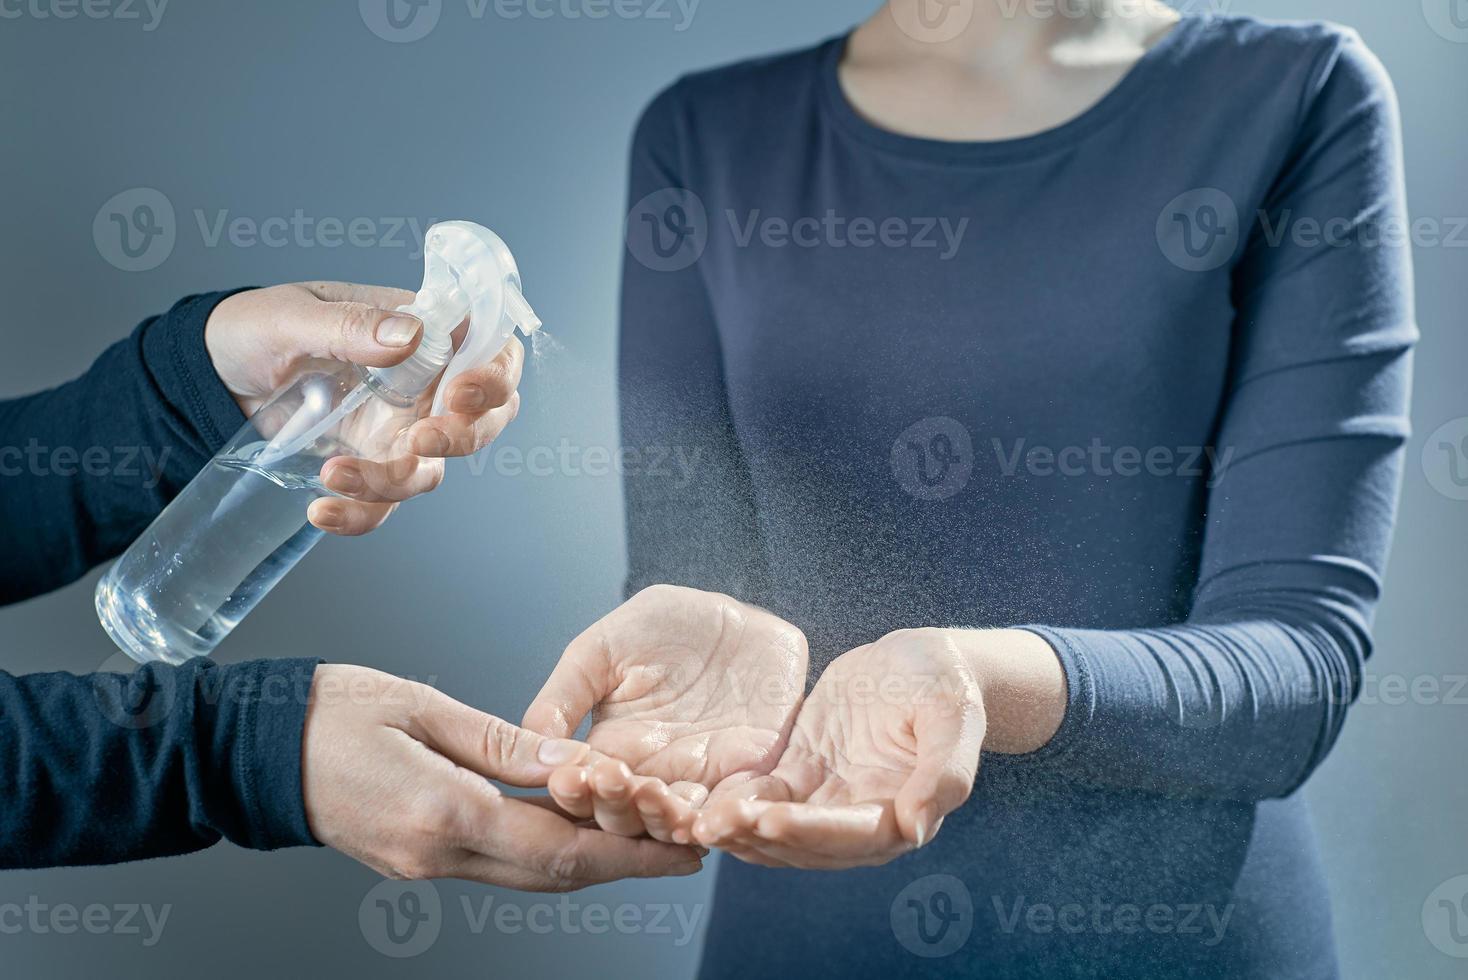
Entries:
{"x":115,"y":767}
{"x":675,"y":413}
{"x":1245,"y":699}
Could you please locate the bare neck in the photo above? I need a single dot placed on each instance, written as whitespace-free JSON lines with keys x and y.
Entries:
{"x":983,"y":36}
{"x":1006,"y":71}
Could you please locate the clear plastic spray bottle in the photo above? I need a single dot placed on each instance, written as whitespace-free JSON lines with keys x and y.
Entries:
{"x":240,"y":525}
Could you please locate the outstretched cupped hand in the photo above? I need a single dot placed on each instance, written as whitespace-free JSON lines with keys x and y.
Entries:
{"x":690,"y":693}
{"x":885,"y":746}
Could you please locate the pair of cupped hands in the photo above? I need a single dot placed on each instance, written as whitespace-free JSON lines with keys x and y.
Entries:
{"x":701,"y":735}
{"x":701,"y":731}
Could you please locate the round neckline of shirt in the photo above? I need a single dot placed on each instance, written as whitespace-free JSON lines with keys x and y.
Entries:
{"x":1133,"y":84}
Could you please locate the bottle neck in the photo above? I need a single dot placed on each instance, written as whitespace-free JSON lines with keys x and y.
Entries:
{"x":441,"y":310}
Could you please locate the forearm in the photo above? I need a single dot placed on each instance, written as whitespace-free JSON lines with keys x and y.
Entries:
{"x":1023,"y":686}
{"x":1232,"y":705}
{"x":89,"y":464}
{"x":111,"y":767}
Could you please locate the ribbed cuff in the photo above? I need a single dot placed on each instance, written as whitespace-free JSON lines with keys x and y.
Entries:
{"x":175,"y":356}
{"x":1080,"y":696}
{"x":255,"y":714}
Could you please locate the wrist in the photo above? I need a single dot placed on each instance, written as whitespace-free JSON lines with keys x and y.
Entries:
{"x":176,"y":352}
{"x":1023,"y":685}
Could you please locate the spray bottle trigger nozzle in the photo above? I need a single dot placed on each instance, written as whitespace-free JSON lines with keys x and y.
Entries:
{"x":519,"y":311}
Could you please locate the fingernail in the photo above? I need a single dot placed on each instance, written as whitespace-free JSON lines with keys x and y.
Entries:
{"x":688,"y":869}
{"x":430,"y":442}
{"x":328,"y":518}
{"x":560,"y":752}
{"x":926,"y":831}
{"x":703,"y":852}
{"x":469,"y":400}
{"x":347,"y":479}
{"x":397,"y":331}
{"x":681,"y":836}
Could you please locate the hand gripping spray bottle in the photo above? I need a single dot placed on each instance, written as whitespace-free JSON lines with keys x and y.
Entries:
{"x":240,"y":525}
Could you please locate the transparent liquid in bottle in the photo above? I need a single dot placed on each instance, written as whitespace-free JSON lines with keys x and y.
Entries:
{"x":228,"y":538}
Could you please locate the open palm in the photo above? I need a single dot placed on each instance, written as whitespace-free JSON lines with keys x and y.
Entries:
{"x":686,"y":690}
{"x":885,"y":746}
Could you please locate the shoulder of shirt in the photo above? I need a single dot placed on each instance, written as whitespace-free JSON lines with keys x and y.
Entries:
{"x":1314,"y":51}
{"x":1221,"y":51}
{"x":740,"y":89}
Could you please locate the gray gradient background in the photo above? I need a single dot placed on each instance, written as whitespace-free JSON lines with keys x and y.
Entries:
{"x":261,"y":108}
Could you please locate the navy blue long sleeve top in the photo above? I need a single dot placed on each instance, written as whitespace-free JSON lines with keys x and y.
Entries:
{"x":166,"y":760}
{"x":1138,"y":383}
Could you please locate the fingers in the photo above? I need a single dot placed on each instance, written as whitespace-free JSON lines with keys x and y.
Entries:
{"x":570,"y":787}
{"x":481,"y":401}
{"x":461,"y":435}
{"x":667,"y":814}
{"x":528,"y":847}
{"x":489,"y":746}
{"x":374,"y":482}
{"x":581,"y":680}
{"x":548,"y":804}
{"x":949,"y":737}
{"x":611,"y":784}
{"x":487,"y":386}
{"x":382,"y":297}
{"x":347,"y":518}
{"x":803,"y":835}
{"x":349,"y":330}
{"x":626,"y":804}
{"x":850,"y":831}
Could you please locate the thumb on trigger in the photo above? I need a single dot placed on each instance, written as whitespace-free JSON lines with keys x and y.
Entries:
{"x":362,"y":334}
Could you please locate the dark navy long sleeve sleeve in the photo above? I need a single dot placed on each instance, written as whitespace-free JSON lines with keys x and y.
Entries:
{"x":90,"y":463}
{"x":1246,"y":697}
{"x":114,"y":767}
{"x":1138,"y":383}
